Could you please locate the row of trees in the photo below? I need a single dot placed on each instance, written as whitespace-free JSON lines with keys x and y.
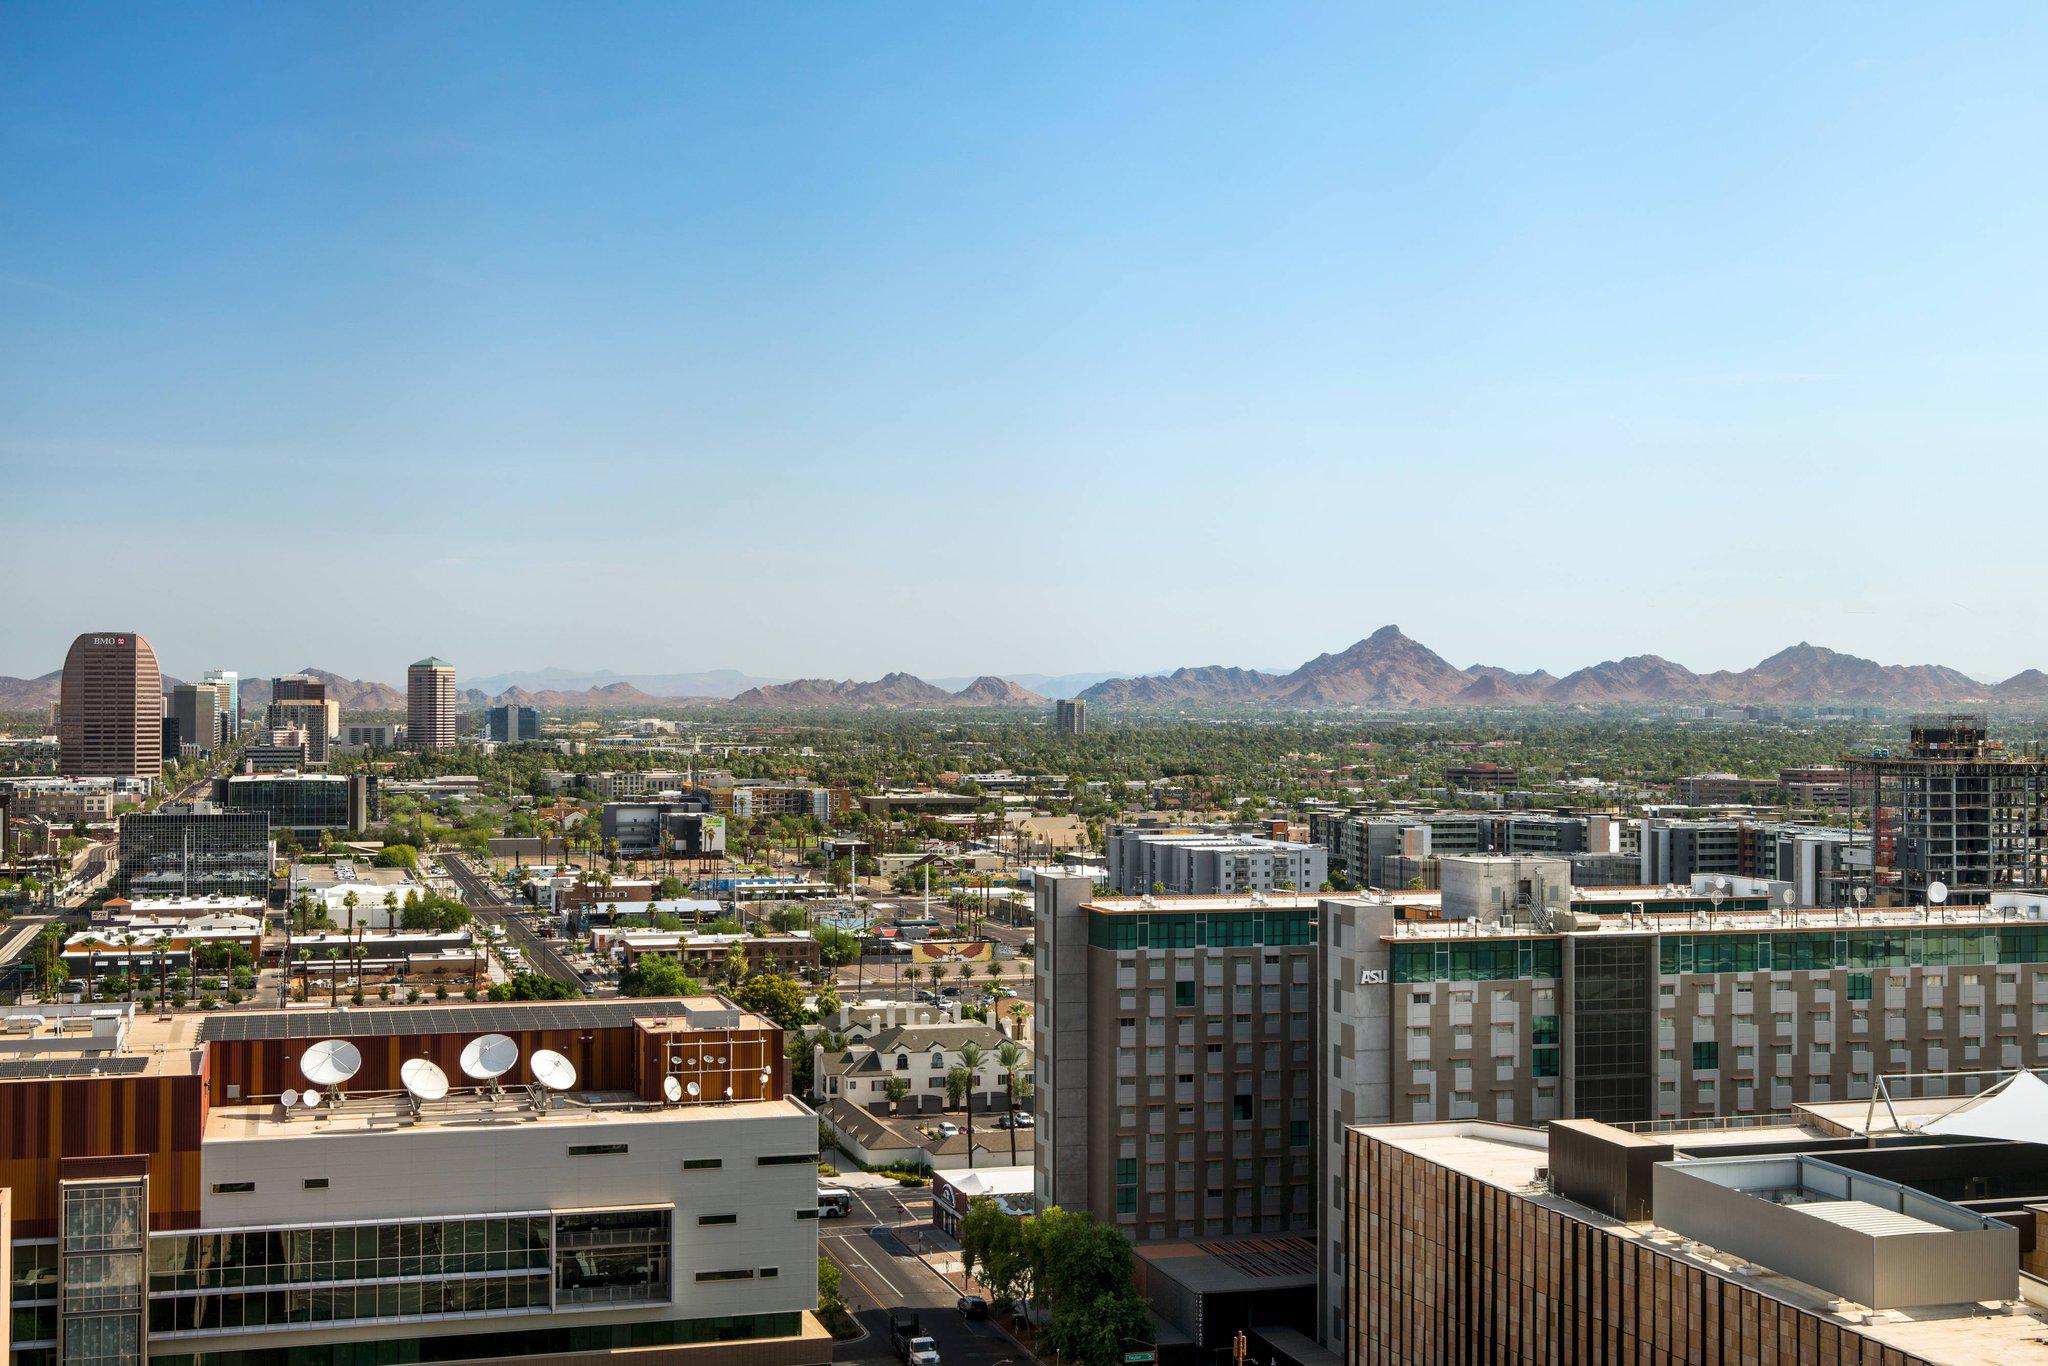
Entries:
{"x":1067,"y":1272}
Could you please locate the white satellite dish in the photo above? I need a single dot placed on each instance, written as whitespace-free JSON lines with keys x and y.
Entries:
{"x":671,"y":1089}
{"x":310,"y":1099}
{"x":289,"y":1098}
{"x":1937,"y":892}
{"x":552,"y":1070}
{"x":489,"y":1057}
{"x":765,"y":1078}
{"x":331,"y":1062}
{"x":694,"y":1089}
{"x":423,"y":1080}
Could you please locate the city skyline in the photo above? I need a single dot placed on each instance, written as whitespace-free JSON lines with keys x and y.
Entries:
{"x":980,"y":328}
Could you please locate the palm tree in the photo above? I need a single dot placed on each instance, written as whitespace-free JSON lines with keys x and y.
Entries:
{"x":128,"y":942}
{"x":1017,"y":1013}
{"x":912,"y":973}
{"x":971,"y":1058}
{"x":1010,"y":1058}
{"x":351,"y":901}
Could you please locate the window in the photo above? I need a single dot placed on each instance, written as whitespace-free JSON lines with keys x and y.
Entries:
{"x":810,"y":1213}
{"x":718,"y":1219}
{"x":769,"y":1273}
{"x":702,"y":1164}
{"x":785,"y":1159}
{"x":745,"y":1274}
{"x":1706,"y":1056}
{"x":1859,"y":986}
{"x":596,"y":1149}
{"x":1183,"y":993}
{"x":235,"y":1187}
{"x":1297,"y":1134}
{"x":316,"y":1183}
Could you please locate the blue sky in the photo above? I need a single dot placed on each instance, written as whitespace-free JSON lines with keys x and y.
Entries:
{"x":834,"y":339}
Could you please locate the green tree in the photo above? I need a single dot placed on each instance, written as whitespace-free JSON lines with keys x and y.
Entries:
{"x":779,"y":998}
{"x":654,"y":974}
{"x":397,"y":856}
{"x":971,"y":1058}
{"x":897,"y":1089}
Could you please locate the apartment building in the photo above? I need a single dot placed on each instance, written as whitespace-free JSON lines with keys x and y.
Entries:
{"x":304,"y":714}
{"x":1070,"y":716}
{"x":67,"y":800}
{"x":920,"y":1056}
{"x":1633,"y":1007}
{"x":361,"y":735}
{"x":1362,"y":844}
{"x":211,"y":1189}
{"x":1190,"y":862}
{"x":1173,"y":1040}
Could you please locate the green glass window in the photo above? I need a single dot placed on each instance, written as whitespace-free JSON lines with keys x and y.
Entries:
{"x":1546,"y":1062}
{"x":1859,"y":986}
{"x":1706,"y":1056}
{"x":1183,"y":993}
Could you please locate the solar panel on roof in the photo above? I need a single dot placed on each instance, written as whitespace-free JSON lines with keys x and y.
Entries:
{"x":38,"y":1069}
{"x":501,"y":1018}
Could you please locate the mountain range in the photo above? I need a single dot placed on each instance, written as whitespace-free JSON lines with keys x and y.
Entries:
{"x":1388,"y":670}
{"x":1385,"y":671}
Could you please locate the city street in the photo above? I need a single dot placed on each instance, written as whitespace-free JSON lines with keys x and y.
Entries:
{"x":876,"y":1247}
{"x":491,"y":905}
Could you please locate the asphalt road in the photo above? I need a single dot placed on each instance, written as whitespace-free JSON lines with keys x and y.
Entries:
{"x":871,"y":1247}
{"x":491,"y":904}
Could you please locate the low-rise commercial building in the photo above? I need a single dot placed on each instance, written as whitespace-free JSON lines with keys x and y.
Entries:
{"x":651,"y":1196}
{"x":704,"y":955}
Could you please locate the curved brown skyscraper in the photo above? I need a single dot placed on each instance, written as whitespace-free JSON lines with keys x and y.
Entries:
{"x":112,"y":705}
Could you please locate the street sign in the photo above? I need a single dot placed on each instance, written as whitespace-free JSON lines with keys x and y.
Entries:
{"x":1138,"y":1358}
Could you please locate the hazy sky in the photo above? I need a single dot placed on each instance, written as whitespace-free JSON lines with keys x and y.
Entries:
{"x":840,"y":338}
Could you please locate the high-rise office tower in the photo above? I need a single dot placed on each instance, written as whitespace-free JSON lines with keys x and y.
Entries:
{"x":196,"y":708}
{"x":1070,"y":716}
{"x":111,"y":724}
{"x":511,"y":724}
{"x":304,"y":713}
{"x":228,"y":684}
{"x":430,"y":704}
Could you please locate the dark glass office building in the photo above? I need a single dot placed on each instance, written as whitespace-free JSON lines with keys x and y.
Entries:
{"x":195,"y":849}
{"x":302,"y":802}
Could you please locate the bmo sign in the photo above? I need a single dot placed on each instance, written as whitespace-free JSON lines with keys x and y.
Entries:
{"x":110,"y":640}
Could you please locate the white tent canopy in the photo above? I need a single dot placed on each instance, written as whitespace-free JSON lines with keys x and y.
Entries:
{"x":2016,"y":1109}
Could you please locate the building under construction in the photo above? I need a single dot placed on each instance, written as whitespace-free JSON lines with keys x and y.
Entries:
{"x":1970,"y":814}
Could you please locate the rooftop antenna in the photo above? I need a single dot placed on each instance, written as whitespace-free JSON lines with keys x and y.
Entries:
{"x":331,"y":1062}
{"x":554,"y":1073}
{"x":423,"y":1082}
{"x":488,"y":1057}
{"x":289,"y":1098}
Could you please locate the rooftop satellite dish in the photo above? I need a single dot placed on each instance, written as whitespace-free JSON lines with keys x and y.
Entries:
{"x":765,"y":1076}
{"x":331,"y":1062}
{"x":553,"y":1071}
{"x":423,"y":1080}
{"x":489,"y":1057}
{"x":1787,"y":896}
{"x":289,"y":1098}
{"x":1937,"y":892}
{"x":671,"y":1089}
{"x":310,"y":1099}
{"x":1862,"y":894}
{"x":694,"y":1089}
